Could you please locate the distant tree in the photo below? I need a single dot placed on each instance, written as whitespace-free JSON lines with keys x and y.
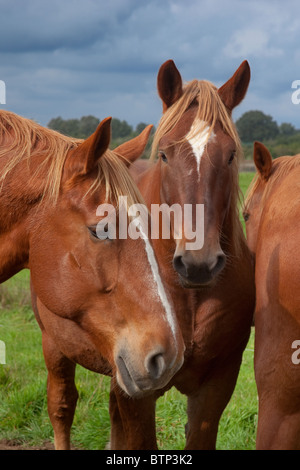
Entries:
{"x":55,"y":123}
{"x":79,"y":128}
{"x":88,"y":125}
{"x":140,"y":127}
{"x":58,"y":124}
{"x":71,"y":128}
{"x":287,"y":129}
{"x":255,"y":125}
{"x":120,"y":128}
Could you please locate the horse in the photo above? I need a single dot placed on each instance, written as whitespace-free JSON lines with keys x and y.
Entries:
{"x":271,"y":215}
{"x":212,"y":286}
{"x":100,"y":302}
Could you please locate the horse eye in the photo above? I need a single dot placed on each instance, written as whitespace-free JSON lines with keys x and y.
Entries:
{"x":163,"y":156}
{"x":246,"y":216}
{"x":231,"y":158}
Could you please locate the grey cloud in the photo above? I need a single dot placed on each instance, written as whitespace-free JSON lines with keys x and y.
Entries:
{"x":75,"y":57}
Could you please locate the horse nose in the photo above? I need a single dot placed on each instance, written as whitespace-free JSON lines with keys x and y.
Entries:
{"x":152,"y":373}
{"x":155,"y":365}
{"x":179,"y":265}
{"x":220,"y":263}
{"x":198,"y":272}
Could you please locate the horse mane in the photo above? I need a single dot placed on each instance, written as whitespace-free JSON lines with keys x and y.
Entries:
{"x":210,"y":109}
{"x":281,"y":167}
{"x":22,"y":139}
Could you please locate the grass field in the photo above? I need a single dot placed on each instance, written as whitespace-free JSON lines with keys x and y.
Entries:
{"x":23,"y":404}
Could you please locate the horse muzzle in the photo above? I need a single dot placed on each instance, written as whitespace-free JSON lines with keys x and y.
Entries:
{"x":195,"y":273}
{"x":140,"y":377}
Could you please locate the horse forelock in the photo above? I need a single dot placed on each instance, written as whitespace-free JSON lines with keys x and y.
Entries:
{"x":210,"y":109}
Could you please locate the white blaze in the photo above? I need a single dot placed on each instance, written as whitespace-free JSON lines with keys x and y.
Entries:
{"x":170,"y":314}
{"x":198,"y":137}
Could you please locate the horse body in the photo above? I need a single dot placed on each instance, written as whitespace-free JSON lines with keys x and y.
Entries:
{"x":97,"y":301}
{"x":212,"y":287}
{"x":271,"y":213}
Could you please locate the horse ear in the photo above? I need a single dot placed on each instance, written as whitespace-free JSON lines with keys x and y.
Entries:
{"x":85,"y":157}
{"x":234,"y":90}
{"x":169,"y":84}
{"x":134,"y":148}
{"x":263,"y":160}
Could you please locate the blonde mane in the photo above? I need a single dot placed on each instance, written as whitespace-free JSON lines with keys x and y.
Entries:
{"x":21,"y":139}
{"x":281,"y":167}
{"x":210,"y":110}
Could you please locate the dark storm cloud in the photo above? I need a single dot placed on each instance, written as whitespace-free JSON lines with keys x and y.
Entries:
{"x":77,"y":57}
{"x":37,"y":25}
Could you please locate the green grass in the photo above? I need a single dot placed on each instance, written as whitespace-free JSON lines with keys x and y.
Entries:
{"x":238,"y":424}
{"x":23,"y":394}
{"x":244,"y":180}
{"x":23,"y":407}
{"x":23,"y":404}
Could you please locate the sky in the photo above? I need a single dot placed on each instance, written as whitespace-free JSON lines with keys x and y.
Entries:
{"x":73,"y":58}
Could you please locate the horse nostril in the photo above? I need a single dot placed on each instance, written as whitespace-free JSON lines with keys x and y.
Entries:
{"x":221,"y":260}
{"x":155,"y":365}
{"x":179,"y":265}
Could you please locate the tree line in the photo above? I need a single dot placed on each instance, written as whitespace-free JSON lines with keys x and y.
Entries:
{"x":86,"y":125}
{"x":283,"y":139}
{"x":82,"y":128}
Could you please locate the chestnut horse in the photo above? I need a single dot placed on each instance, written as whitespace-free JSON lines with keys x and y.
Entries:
{"x":99,"y":303}
{"x":212,"y":287}
{"x":271,"y":212}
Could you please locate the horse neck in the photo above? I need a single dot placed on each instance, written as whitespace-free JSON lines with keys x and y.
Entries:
{"x":20,"y":192}
{"x":233,"y":238}
{"x":234,"y":245}
{"x":19,"y":198}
